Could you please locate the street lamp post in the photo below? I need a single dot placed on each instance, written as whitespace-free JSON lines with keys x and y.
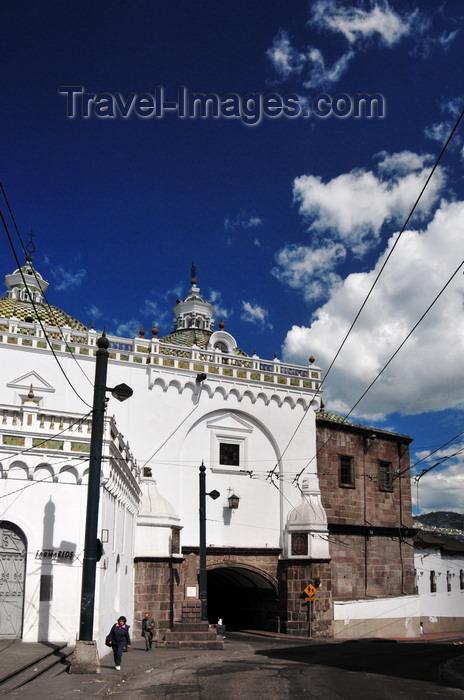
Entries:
{"x":85,"y":661}
{"x":203,"y":576}
{"x":93,"y":492}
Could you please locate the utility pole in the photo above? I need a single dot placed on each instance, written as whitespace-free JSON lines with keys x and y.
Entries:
{"x":203,"y":575}
{"x":85,"y":657}
{"x":93,"y":492}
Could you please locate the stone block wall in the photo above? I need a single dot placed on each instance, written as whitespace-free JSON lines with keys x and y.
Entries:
{"x":364,"y":565}
{"x":364,"y":501}
{"x":370,"y":528}
{"x":157,"y":590}
{"x":301,"y":617}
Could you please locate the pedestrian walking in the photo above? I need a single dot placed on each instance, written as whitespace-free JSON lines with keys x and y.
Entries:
{"x":119,"y":639}
{"x":148,"y":626}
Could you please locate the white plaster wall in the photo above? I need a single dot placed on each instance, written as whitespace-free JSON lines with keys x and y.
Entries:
{"x":166,"y":431}
{"x":52,"y":516}
{"x":65,"y":508}
{"x":152,"y":540}
{"x":389,"y":617}
{"x":378,"y":608}
{"x":442,"y":604}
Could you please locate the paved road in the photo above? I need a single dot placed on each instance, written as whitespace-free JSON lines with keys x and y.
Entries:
{"x":264,"y":670}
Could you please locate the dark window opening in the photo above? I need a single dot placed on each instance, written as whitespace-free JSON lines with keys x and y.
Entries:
{"x":433,"y":582}
{"x":229,"y":454}
{"x":385,"y":476}
{"x":346,"y":473}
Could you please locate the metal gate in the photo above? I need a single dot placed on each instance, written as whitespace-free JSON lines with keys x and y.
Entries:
{"x":12,"y":575}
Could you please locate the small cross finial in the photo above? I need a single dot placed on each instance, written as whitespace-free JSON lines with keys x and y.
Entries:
{"x":30,"y":247}
{"x":194,"y":274}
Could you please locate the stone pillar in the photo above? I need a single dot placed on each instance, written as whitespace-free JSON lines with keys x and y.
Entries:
{"x":300,"y":617}
{"x":191,"y":610}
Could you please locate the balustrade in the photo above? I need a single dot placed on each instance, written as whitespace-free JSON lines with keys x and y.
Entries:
{"x":144,"y":351}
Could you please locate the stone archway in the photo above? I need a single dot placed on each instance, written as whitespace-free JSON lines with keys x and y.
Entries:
{"x":244,"y":598}
{"x":13,"y":550}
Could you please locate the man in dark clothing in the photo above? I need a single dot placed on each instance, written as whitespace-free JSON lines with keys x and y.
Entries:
{"x":120,"y":639}
{"x":148,"y":625}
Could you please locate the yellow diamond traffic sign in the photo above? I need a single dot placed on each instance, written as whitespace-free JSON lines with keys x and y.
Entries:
{"x":310,"y":591}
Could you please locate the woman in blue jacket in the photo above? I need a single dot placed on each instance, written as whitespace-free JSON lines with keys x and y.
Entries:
{"x":120,"y":639}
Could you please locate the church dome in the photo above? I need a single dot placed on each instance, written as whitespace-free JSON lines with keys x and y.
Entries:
{"x":25,"y":300}
{"x":194,"y":324}
{"x":153,"y":506}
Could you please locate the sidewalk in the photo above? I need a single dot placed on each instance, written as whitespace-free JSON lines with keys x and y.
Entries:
{"x":137,"y":661}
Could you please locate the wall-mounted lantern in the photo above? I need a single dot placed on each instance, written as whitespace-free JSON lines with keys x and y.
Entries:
{"x":233,"y":501}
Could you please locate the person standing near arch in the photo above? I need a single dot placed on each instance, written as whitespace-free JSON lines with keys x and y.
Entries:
{"x":148,"y":626}
{"x":119,"y":638}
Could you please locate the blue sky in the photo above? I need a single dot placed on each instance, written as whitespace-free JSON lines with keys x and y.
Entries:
{"x":289,"y":220}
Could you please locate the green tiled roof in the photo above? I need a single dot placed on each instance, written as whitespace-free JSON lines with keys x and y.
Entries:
{"x":331,"y":416}
{"x":49,"y":315}
{"x":186,"y":337}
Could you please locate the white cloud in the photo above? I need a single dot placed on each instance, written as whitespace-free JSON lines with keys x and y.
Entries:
{"x":361,"y":27}
{"x":128,"y":329}
{"x":356,"y":23}
{"x":158,"y":315}
{"x":66,"y":279}
{"x":403,"y":162}
{"x":220,"y":311}
{"x":310,"y":270}
{"x":453,"y":106}
{"x":285,"y":59}
{"x":321,"y":75}
{"x":241,"y":221}
{"x":255,"y":314}
{"x":438,"y":131}
{"x":94,"y":312}
{"x":426,"y":374}
{"x":354,"y":206}
{"x":440,"y":489}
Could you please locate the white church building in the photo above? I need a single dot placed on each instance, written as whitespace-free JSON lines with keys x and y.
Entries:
{"x":197,"y":398}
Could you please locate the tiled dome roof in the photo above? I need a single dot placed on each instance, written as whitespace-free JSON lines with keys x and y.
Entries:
{"x":25,"y":299}
{"x":187,"y":337}
{"x":49,"y":315}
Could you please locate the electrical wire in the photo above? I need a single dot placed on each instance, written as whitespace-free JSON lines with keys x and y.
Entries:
{"x":382,"y":268}
{"x":396,"y":351}
{"x":52,"y":437}
{"x":50,"y":345}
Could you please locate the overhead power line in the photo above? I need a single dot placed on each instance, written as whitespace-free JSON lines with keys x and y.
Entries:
{"x":50,"y":344}
{"x":361,"y":308}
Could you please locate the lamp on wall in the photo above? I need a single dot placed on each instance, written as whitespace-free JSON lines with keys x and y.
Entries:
{"x":233,"y":501}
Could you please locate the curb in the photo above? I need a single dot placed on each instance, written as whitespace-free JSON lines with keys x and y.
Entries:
{"x":450,"y":673}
